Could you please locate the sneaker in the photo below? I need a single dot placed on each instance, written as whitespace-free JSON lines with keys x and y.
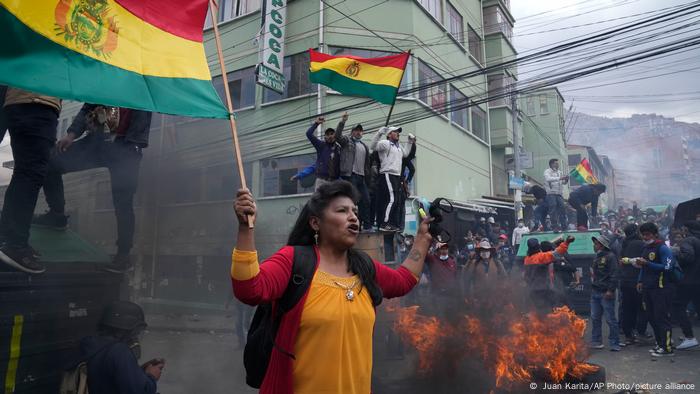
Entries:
{"x":119,"y":265}
{"x":688,"y":343}
{"x":22,"y":259}
{"x":595,"y":345}
{"x":52,"y":220}
{"x":656,"y":349}
{"x":629,"y":341}
{"x":367,"y":228}
{"x":615,"y":348}
{"x":386,"y":228}
{"x":663,"y":353}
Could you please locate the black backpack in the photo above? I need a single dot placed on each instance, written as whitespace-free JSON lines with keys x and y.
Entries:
{"x":264,"y":326}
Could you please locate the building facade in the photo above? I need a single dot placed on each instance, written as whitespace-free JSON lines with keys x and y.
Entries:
{"x":544,"y":131}
{"x":498,"y":29}
{"x":188,"y":178}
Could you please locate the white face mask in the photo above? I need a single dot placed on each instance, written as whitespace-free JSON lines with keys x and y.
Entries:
{"x":520,"y":225}
{"x":649,"y":242}
{"x":443,"y":258}
{"x":485,"y":255}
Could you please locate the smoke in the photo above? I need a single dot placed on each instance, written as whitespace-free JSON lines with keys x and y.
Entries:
{"x":494,"y":339}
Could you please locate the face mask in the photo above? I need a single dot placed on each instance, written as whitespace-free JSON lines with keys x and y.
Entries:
{"x":443,"y":258}
{"x":520,"y":225}
{"x":649,"y":242}
{"x":408,"y":243}
{"x":485,"y":255}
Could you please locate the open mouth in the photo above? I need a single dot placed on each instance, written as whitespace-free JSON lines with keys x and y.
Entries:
{"x":354,"y":229}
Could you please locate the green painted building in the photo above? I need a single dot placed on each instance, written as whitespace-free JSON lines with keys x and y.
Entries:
{"x":543,"y":131}
{"x":188,"y":179}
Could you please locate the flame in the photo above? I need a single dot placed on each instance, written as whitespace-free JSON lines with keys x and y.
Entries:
{"x":516,"y":347}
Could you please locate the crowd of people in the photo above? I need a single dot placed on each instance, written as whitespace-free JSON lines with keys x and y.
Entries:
{"x":381,"y":172}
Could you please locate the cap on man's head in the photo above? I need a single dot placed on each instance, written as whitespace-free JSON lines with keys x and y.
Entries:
{"x":603,"y":240}
{"x":358,"y":127}
{"x":441,"y":245}
{"x":482,"y":219}
{"x":533,"y":243}
{"x":492,"y":220}
{"x":393,"y":128}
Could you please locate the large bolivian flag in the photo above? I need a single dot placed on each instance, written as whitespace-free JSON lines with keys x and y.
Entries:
{"x":142,"y":54}
{"x":377,"y":78}
{"x":583,"y":172}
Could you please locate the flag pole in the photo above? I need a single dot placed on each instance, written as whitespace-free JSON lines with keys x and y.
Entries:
{"x":391,"y":110}
{"x":214,"y":7}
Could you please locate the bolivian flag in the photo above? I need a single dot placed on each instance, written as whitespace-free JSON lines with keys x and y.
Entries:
{"x":583,"y":172}
{"x":377,"y":78}
{"x":142,"y":54}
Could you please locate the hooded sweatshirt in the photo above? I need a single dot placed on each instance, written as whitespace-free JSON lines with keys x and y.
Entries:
{"x":113,"y":369}
{"x":391,"y":154}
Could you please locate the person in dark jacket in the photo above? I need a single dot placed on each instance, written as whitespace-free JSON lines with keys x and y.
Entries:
{"x":355,"y":166}
{"x":656,"y":281}
{"x":688,"y":256}
{"x":584,"y":195}
{"x":112,"y":355}
{"x":541,"y":208}
{"x":327,"y":153}
{"x":114,"y":139}
{"x":564,"y":274}
{"x":631,"y":299}
{"x":604,"y":283}
{"x":539,"y":272}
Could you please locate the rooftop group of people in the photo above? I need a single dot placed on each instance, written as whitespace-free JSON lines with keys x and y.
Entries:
{"x":381,"y":171}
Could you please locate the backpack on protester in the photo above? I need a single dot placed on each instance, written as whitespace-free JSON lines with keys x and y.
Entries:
{"x":266,"y":320}
{"x":74,"y":379}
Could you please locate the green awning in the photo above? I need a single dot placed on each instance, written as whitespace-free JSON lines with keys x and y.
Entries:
{"x":65,"y":247}
{"x":583,"y":246}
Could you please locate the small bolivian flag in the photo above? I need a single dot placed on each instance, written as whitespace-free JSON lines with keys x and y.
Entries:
{"x":583,"y":172}
{"x":377,"y":78}
{"x":141,"y":54}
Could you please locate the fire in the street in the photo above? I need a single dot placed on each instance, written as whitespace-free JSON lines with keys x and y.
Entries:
{"x":514,"y":347}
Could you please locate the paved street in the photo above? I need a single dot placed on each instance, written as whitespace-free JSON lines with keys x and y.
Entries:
{"x":211,"y":363}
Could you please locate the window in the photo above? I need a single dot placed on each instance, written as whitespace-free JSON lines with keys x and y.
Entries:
{"x":276,"y":174}
{"x":460,"y":112}
{"x":574,"y":160}
{"x":475,"y":46}
{"x":296,"y":75}
{"x":455,"y":23}
{"x":433,"y":95}
{"x":229,"y":9}
{"x":500,"y":86}
{"x":495,"y":21}
{"x":544,"y":105}
{"x":434,"y":8}
{"x":241,"y":85}
{"x":479,"y":123}
{"x":338,"y":51}
{"x":530,"y":107}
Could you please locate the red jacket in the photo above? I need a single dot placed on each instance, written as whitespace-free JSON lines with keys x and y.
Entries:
{"x":269,"y":285}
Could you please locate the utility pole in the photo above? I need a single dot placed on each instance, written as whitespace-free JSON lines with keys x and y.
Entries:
{"x":518,"y":193}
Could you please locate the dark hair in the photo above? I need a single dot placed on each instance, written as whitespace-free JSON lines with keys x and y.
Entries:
{"x":303,"y":234}
{"x":546,"y":246}
{"x":552,"y":161}
{"x":599,"y":187}
{"x":630,"y":229}
{"x":329,"y":131}
{"x":649,"y":227}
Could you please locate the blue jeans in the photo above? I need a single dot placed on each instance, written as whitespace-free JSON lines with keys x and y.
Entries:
{"x":600,"y":304}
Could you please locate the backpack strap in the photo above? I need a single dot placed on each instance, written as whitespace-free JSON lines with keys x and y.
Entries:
{"x":303,"y":269}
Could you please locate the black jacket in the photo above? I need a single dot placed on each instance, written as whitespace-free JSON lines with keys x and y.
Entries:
{"x":113,"y":369}
{"x":137,"y":133}
{"x":689,"y":259}
{"x":604,"y":271}
{"x":538,"y":192}
{"x":632,"y":246}
{"x":584,"y":195}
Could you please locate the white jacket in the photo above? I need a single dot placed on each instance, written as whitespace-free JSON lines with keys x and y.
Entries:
{"x":390,"y":154}
{"x":553,"y":182}
{"x":518,"y":234}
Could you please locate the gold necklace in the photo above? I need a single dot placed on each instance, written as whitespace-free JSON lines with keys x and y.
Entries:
{"x":349,"y":294}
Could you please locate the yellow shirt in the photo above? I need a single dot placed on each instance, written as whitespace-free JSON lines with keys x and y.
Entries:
{"x":334,"y":345}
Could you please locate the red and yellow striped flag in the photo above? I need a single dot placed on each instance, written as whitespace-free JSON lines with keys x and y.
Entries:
{"x":377,"y":78}
{"x":583,"y":172}
{"x":142,"y":54}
